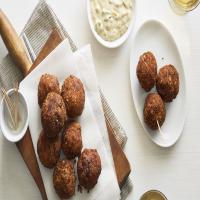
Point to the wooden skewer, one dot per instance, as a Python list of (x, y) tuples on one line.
[(159, 126), (9, 100), (17, 116), (12, 105), (161, 130), (9, 107), (12, 123), (15, 101)]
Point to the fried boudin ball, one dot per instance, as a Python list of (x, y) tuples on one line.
[(167, 83), (48, 150), (88, 168), (74, 96), (64, 179), (147, 71), (53, 115), (48, 83), (154, 109), (72, 140)]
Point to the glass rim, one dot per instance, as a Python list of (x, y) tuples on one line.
[(184, 9), (154, 191)]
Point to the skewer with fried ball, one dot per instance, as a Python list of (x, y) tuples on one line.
[(160, 131), (154, 111)]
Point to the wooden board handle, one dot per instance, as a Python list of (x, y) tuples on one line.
[(14, 44)]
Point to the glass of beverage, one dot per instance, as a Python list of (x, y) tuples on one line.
[(183, 6), (153, 195)]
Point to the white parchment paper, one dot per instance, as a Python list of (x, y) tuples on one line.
[(61, 62)]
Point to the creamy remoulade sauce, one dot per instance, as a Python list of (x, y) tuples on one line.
[(111, 18)]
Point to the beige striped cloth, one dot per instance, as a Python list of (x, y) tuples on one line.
[(37, 30)]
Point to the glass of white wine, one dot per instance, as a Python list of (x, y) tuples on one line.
[(153, 195), (183, 6)]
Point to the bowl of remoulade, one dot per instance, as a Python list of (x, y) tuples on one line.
[(111, 21)]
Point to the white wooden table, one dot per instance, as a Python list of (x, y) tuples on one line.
[(175, 171)]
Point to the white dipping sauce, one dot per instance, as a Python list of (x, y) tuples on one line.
[(111, 18)]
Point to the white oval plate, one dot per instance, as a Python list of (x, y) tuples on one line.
[(105, 43), (153, 36)]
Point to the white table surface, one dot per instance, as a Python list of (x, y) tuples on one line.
[(176, 170)]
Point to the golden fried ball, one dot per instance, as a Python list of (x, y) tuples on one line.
[(74, 96), (48, 83)]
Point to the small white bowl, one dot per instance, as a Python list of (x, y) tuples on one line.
[(115, 43), (10, 134)]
